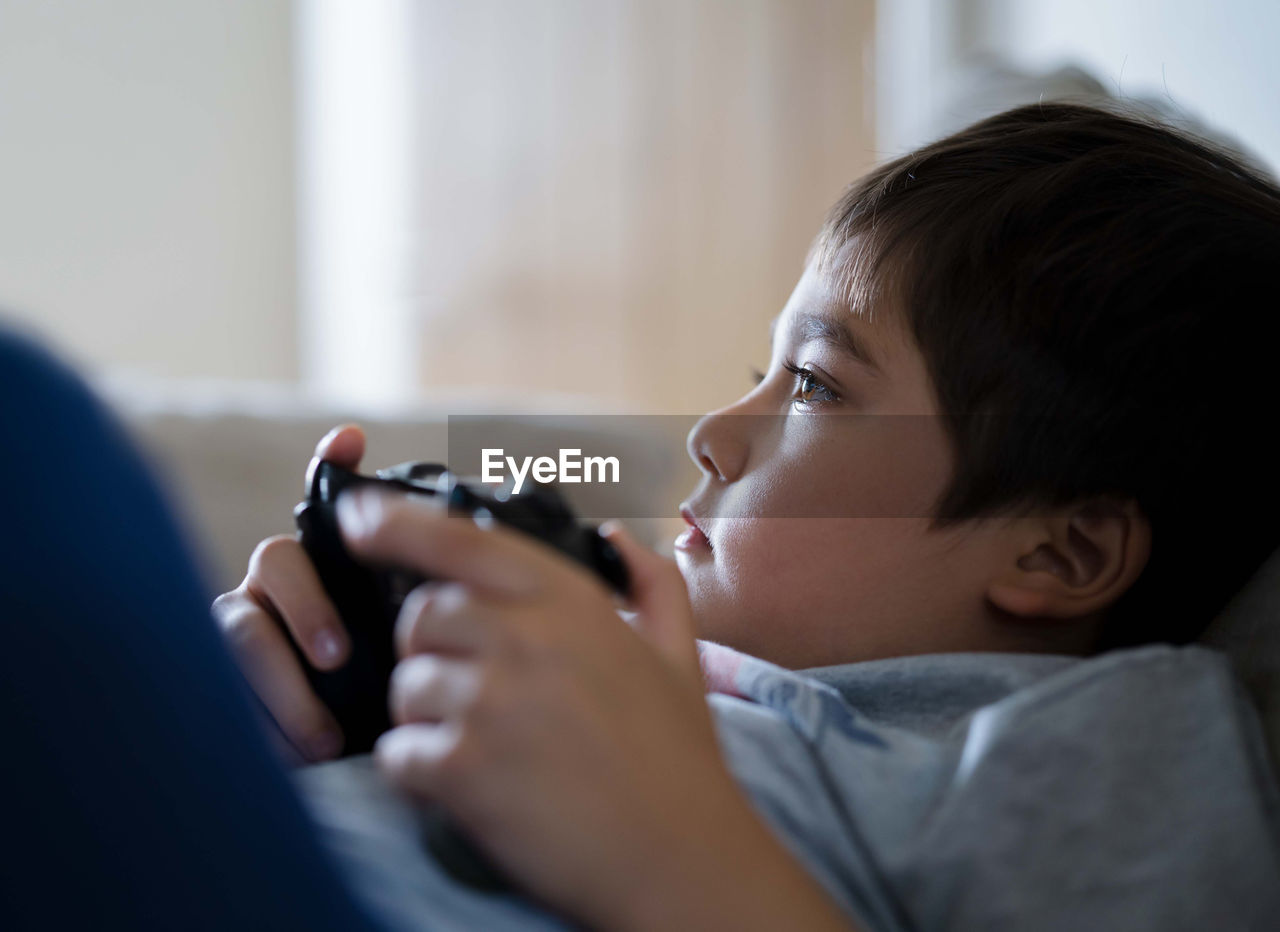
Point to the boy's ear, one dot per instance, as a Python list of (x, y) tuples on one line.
[(1073, 562)]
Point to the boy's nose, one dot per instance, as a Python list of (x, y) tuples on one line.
[(718, 444)]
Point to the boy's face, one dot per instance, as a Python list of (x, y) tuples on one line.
[(815, 545)]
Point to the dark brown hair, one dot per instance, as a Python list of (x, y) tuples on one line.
[(1095, 296)]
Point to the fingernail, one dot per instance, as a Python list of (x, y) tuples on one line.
[(391, 751), (325, 745), (327, 647), (325, 440), (610, 528)]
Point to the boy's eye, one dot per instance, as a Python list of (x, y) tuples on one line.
[(809, 388)]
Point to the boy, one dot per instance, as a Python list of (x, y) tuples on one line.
[(1053, 333)]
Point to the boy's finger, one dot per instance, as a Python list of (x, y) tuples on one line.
[(344, 445), (660, 599), (276, 677), (422, 536), (431, 688), (412, 756), (442, 618), (282, 576)]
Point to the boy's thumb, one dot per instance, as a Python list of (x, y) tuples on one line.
[(343, 445), (659, 598)]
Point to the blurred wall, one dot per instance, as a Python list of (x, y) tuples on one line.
[(615, 197), (1216, 61), (146, 182), (606, 198)]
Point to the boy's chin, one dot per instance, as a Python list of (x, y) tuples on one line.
[(715, 626), (704, 627)]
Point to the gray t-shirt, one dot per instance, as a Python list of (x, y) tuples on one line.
[(955, 791)]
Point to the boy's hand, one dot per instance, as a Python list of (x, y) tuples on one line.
[(282, 598), (576, 750)]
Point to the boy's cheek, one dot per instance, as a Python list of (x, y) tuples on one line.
[(782, 579), (760, 571)]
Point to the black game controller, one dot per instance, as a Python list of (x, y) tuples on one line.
[(368, 599)]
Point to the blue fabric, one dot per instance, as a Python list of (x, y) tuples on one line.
[(1128, 790), (139, 791)]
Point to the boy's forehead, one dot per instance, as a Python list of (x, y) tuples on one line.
[(818, 311)]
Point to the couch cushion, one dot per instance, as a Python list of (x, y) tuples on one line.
[(234, 457)]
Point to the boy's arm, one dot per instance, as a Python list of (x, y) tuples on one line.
[(576, 750)]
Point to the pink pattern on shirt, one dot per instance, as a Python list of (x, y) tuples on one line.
[(720, 667)]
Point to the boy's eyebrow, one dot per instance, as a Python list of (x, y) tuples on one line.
[(808, 327)]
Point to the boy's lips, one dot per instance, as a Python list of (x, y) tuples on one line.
[(693, 539)]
